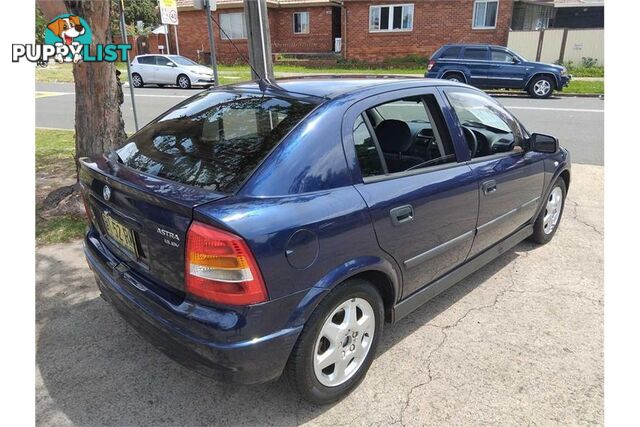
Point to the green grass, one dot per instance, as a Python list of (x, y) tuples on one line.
[(55, 151), (586, 71), (584, 86), (60, 229)]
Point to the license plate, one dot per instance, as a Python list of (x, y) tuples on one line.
[(121, 234)]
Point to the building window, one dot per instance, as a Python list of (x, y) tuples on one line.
[(301, 23), (232, 26), (485, 13), (391, 18)]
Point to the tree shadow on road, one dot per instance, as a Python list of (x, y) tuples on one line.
[(96, 370)]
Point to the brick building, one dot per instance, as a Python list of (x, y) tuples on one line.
[(370, 30)]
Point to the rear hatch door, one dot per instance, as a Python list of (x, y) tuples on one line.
[(142, 219)]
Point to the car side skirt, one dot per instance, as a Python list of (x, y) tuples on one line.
[(409, 304)]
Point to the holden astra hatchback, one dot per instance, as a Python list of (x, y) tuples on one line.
[(267, 228)]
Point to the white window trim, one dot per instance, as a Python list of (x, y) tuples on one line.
[(244, 30), (308, 22), (392, 30), (473, 18)]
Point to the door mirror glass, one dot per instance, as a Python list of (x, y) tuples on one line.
[(515, 60), (544, 143)]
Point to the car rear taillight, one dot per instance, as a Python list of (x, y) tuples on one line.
[(219, 267), (431, 64)]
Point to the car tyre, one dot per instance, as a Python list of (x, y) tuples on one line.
[(183, 81), (353, 343), (454, 77), (548, 220), (541, 87), (137, 81)]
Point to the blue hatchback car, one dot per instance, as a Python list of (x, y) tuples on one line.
[(496, 67), (267, 228)]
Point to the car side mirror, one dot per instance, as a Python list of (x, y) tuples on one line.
[(515, 60), (543, 143)]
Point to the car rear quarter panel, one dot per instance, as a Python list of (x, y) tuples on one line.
[(340, 238)]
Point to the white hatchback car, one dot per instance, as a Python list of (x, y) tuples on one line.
[(169, 70)]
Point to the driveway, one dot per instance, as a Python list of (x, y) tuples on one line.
[(518, 342)]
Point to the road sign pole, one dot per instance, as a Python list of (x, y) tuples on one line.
[(175, 33), (212, 44), (123, 31), (166, 38)]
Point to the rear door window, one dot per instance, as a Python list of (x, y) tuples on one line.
[(479, 53), (216, 142)]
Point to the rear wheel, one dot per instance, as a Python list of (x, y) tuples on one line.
[(548, 220), (136, 79), (541, 87), (454, 77), (338, 343), (184, 82)]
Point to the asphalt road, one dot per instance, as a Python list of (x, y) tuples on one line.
[(577, 122), (520, 342)]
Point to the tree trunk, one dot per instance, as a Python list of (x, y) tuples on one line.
[(99, 125)]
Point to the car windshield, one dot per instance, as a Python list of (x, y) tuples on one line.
[(181, 60), (214, 141)]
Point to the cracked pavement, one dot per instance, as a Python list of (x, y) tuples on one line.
[(518, 342)]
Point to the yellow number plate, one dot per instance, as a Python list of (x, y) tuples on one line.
[(118, 232)]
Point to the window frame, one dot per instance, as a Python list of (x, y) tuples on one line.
[(308, 22), (475, 8), (360, 108), (244, 27), (390, 29), (524, 135)]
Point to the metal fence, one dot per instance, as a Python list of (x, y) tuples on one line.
[(559, 44)]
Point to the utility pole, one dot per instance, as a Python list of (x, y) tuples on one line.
[(212, 44), (255, 12)]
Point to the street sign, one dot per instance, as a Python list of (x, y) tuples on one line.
[(168, 12)]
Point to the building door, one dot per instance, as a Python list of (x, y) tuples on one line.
[(336, 25)]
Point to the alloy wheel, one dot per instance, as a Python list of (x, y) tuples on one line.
[(542, 87), (183, 82), (552, 210), (344, 342)]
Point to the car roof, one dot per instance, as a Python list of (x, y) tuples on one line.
[(472, 45), (330, 87)]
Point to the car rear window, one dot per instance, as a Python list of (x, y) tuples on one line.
[(216, 141), (451, 52)]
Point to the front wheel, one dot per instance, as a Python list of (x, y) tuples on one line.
[(338, 343), (136, 79), (548, 220), (541, 87), (184, 82)]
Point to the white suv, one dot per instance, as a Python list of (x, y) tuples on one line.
[(169, 70)]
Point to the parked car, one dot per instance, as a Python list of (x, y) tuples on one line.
[(164, 70), (260, 229), (496, 67)]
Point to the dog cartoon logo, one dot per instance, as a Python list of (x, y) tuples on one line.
[(69, 30)]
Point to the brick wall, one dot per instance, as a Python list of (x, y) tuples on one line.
[(193, 38), (435, 22), (283, 39)]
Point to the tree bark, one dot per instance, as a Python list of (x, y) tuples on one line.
[(98, 119)]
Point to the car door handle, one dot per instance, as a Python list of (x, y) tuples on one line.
[(401, 214), (489, 187)]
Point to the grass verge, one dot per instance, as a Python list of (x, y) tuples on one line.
[(584, 86), (55, 167)]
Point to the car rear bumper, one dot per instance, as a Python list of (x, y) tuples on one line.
[(183, 330)]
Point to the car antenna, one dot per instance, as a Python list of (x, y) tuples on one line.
[(263, 82)]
